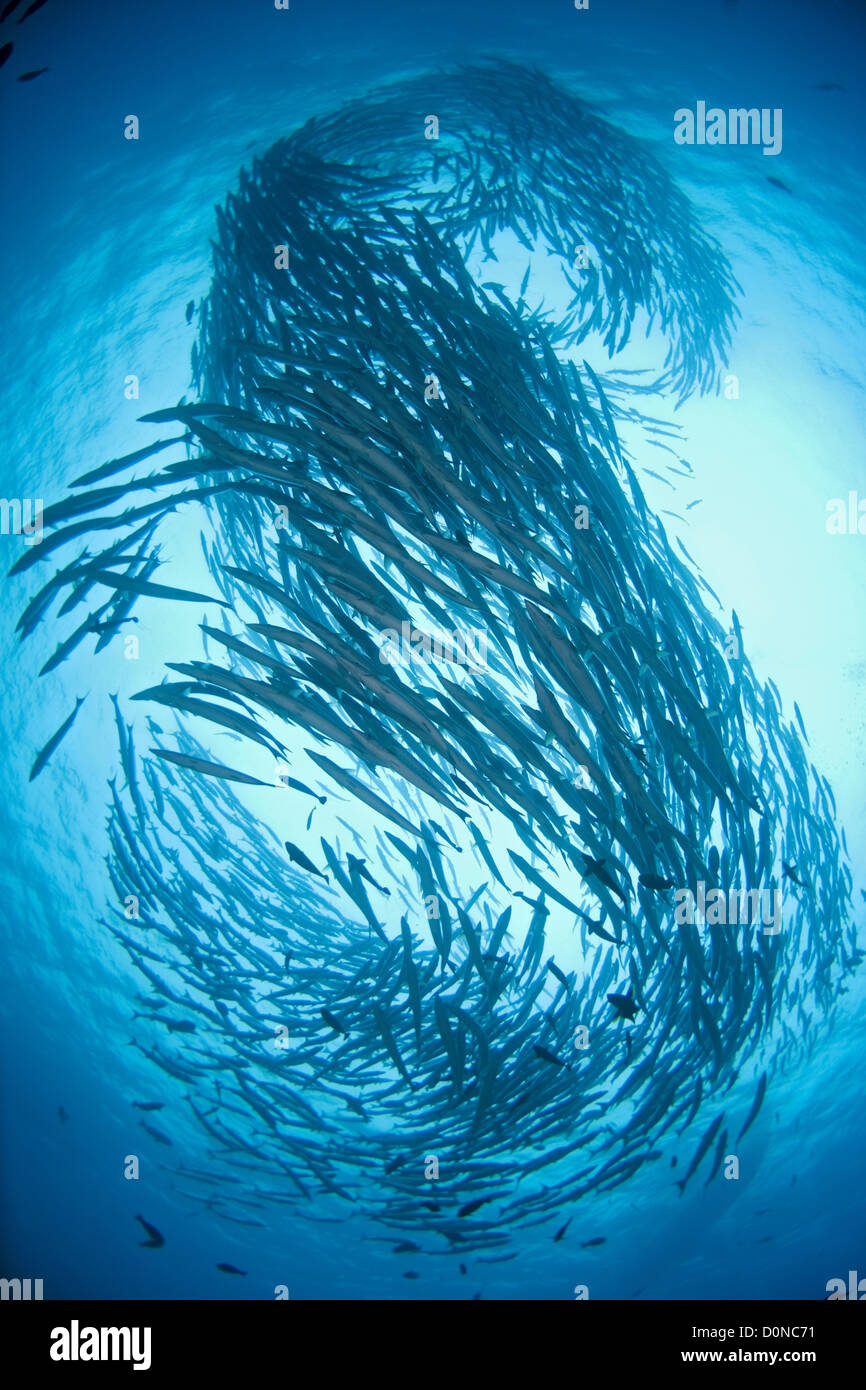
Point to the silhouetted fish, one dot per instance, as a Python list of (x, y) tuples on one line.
[(155, 1238)]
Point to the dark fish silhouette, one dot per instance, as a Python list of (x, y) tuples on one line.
[(624, 1005), (34, 72), (155, 1133), (190, 310), (297, 856), (148, 1104), (659, 885), (155, 1237), (705, 1143), (207, 768), (595, 868), (562, 1230), (333, 1022), (596, 1240), (231, 1269), (45, 753), (777, 183), (470, 1207), (62, 1115), (790, 871), (756, 1106), (5, 53), (37, 5), (357, 866), (110, 626), (549, 1057)]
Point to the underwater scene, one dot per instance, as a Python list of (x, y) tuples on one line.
[(434, 667)]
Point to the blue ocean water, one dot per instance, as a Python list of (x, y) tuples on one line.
[(104, 242)]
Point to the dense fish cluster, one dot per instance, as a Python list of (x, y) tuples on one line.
[(462, 1000)]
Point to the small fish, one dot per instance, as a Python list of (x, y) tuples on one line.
[(45, 753), (443, 835), (596, 929), (624, 1005), (231, 1269), (62, 1115), (470, 1207), (674, 1161), (208, 769), (828, 87), (356, 866), (148, 1104), (333, 1022), (546, 1056), (705, 1143), (297, 856), (756, 1105), (156, 1238), (557, 973), (463, 1269), (562, 1230), (777, 183), (155, 1133), (149, 590), (410, 1274), (190, 310), (29, 76), (595, 868), (596, 1240), (432, 1206), (6, 53), (717, 1156), (406, 1247), (658, 885), (790, 871), (300, 787), (102, 628)]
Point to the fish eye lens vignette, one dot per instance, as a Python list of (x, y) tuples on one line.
[(449, 878)]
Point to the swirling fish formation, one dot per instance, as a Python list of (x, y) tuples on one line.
[(387, 448)]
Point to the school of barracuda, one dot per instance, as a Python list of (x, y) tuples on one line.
[(616, 742)]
